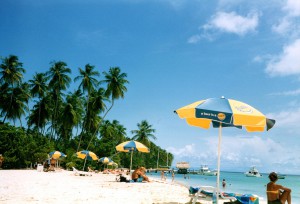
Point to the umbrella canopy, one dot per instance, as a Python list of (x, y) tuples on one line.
[(228, 112), (105, 160), (87, 155), (56, 155), (131, 146), (112, 163), (222, 112)]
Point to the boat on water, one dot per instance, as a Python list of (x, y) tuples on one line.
[(204, 170), (253, 172), (182, 167), (280, 176)]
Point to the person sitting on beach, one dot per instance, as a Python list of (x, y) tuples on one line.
[(139, 173), (90, 169), (277, 194), (1, 160)]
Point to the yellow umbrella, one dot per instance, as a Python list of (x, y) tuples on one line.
[(131, 146), (86, 155), (222, 112)]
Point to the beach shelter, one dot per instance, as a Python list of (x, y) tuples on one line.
[(132, 146), (56, 155), (87, 155), (222, 112)]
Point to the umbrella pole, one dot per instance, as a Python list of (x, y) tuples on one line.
[(130, 163), (84, 162), (219, 162)]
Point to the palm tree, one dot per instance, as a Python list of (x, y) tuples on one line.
[(38, 88), (18, 104), (77, 102), (59, 80), (11, 71), (40, 114), (143, 133), (97, 106), (116, 82), (11, 74), (88, 83), (112, 134)]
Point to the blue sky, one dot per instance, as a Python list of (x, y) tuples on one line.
[(176, 52)]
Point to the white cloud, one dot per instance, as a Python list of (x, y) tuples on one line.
[(287, 63), (184, 151), (223, 22), (287, 93), (288, 24), (282, 27), (194, 39), (287, 119), (236, 151), (293, 7), (233, 23)]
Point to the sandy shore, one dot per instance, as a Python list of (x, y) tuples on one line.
[(31, 186)]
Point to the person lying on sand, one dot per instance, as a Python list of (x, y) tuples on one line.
[(139, 173)]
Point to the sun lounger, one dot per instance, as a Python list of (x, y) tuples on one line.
[(206, 193), (80, 173)]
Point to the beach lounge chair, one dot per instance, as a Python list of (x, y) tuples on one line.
[(207, 192), (80, 173)]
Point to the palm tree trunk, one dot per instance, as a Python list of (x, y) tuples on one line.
[(112, 104)]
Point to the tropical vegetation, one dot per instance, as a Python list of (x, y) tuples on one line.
[(43, 115)]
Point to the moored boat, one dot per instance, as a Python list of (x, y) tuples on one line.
[(280, 176), (204, 170), (253, 172)]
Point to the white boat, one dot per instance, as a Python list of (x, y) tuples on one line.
[(204, 170), (253, 172)]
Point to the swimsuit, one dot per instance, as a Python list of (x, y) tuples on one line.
[(274, 202)]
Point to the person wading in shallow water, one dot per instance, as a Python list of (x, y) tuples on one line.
[(277, 194)]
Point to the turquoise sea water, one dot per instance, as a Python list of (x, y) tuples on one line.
[(237, 182)]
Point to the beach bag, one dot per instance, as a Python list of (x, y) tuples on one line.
[(123, 179)]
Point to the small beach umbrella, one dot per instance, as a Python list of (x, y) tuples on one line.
[(112, 163), (87, 155), (105, 160), (132, 146), (222, 112), (57, 155)]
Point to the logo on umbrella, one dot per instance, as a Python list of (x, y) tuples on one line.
[(221, 116), (244, 109)]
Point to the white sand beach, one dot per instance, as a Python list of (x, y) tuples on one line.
[(31, 186)]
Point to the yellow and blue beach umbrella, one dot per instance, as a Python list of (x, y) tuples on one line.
[(112, 163), (132, 146), (105, 160), (222, 112), (57, 155), (87, 155)]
